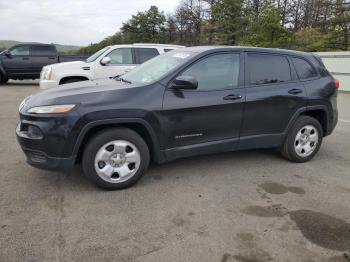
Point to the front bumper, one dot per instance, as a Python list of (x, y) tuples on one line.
[(46, 84), (41, 160), (48, 146)]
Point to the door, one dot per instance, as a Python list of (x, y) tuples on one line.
[(210, 116), (273, 95), (18, 62), (143, 54), (122, 60), (41, 56)]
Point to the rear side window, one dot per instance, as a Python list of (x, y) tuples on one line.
[(144, 54), (303, 68), (20, 50), (267, 69), (42, 50)]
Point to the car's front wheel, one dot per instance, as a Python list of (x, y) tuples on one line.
[(3, 79), (303, 140), (115, 158)]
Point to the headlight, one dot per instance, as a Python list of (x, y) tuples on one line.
[(46, 73), (51, 109), (22, 104)]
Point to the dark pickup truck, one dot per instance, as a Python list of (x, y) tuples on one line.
[(25, 61)]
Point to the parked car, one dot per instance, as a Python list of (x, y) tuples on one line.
[(187, 102), (110, 61), (25, 61)]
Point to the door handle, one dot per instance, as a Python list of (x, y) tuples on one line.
[(52, 58), (25, 58), (232, 97), (295, 91)]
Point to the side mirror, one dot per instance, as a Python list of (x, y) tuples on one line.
[(185, 82), (8, 53), (105, 61)]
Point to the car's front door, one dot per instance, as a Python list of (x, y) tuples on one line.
[(122, 60), (209, 118), (18, 61), (273, 95)]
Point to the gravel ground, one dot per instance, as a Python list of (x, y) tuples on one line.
[(250, 206)]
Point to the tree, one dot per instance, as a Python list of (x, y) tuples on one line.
[(147, 27), (265, 29), (230, 21)]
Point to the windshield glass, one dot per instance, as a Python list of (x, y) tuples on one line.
[(156, 68), (96, 55)]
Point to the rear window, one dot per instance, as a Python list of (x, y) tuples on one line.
[(144, 54), (303, 68), (42, 50), (267, 69)]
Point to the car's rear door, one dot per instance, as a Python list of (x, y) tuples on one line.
[(42, 55), (207, 119), (273, 95)]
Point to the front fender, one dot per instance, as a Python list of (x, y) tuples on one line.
[(158, 157)]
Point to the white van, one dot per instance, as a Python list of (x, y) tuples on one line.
[(110, 61)]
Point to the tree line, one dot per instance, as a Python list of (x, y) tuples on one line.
[(308, 25)]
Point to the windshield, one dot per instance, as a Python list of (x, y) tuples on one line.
[(96, 55), (156, 68)]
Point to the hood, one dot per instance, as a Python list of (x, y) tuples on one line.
[(73, 64), (77, 93)]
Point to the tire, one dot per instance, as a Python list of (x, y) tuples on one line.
[(72, 80), (3, 79), (294, 148), (113, 153)]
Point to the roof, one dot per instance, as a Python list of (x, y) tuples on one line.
[(32, 43), (161, 45), (200, 49)]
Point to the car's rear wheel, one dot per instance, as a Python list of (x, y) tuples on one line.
[(303, 140), (115, 158)]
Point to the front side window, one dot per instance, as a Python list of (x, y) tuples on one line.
[(121, 56), (215, 72), (268, 69), (303, 68), (144, 54), (20, 50)]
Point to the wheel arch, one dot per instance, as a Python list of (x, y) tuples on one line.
[(63, 79), (318, 112), (140, 126)]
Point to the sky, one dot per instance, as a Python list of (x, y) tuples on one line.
[(73, 22)]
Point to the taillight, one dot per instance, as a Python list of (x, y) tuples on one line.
[(336, 83)]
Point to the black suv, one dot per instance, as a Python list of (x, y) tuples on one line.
[(187, 102)]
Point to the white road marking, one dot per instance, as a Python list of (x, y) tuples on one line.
[(344, 120)]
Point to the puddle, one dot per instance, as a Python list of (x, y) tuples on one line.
[(266, 211), (279, 189), (323, 230)]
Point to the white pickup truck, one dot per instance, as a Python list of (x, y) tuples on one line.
[(110, 61)]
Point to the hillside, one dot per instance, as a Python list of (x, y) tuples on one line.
[(66, 49)]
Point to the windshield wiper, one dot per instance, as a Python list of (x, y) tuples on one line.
[(122, 79)]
